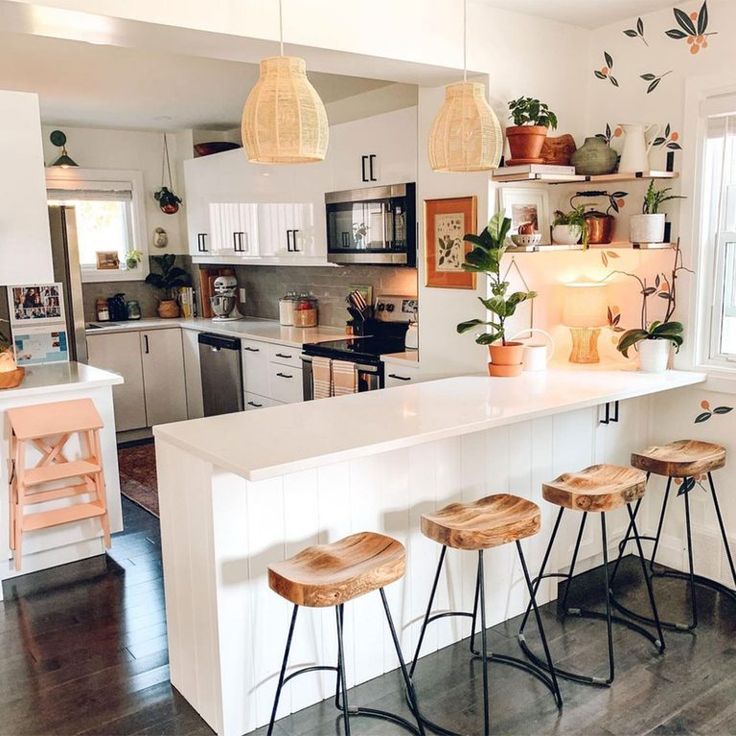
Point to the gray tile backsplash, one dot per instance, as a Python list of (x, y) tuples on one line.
[(266, 284)]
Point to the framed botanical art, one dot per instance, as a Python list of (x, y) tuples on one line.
[(446, 223), (526, 205)]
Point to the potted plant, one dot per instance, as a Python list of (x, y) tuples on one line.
[(648, 227), (599, 225), (132, 258), (654, 339), (170, 278), (10, 374), (526, 136), (485, 258), (569, 227)]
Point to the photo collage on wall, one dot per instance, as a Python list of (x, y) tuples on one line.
[(38, 324)]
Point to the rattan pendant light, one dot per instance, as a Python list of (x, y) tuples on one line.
[(284, 120), (466, 134)]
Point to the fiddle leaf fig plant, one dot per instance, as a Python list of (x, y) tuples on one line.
[(485, 258), (171, 276)]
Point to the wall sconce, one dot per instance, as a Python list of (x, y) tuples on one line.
[(58, 138), (585, 312)]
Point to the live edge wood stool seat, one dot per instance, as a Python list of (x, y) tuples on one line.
[(688, 463), (492, 521), (332, 575), (48, 428), (596, 489)]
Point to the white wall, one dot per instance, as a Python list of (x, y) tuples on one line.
[(98, 148)]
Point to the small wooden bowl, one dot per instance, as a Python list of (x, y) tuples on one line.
[(11, 379)]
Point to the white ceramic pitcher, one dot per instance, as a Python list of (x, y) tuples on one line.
[(635, 153), (537, 355)]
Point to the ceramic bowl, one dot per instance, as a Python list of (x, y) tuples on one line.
[(526, 240)]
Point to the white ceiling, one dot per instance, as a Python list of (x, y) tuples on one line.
[(584, 13), (91, 85)]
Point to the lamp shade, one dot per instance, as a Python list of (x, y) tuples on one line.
[(284, 119), (466, 134), (585, 305)]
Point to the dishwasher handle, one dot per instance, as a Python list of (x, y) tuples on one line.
[(218, 342)]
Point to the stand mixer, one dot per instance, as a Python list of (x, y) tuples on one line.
[(224, 301)]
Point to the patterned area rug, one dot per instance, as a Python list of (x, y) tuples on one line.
[(137, 464)]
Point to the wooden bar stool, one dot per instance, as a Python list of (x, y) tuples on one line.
[(489, 522), (599, 489), (48, 428), (331, 575), (688, 461)]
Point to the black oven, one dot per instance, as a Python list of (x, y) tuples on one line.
[(376, 225)]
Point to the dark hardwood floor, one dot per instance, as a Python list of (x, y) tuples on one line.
[(83, 651)]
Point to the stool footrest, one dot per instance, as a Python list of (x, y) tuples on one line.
[(60, 471), (77, 512)]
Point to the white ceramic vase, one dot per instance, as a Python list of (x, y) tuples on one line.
[(654, 355), (646, 228), (566, 234)]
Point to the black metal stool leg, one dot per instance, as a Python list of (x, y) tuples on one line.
[(475, 613), (341, 669), (538, 580), (428, 614), (722, 527), (690, 562), (411, 694), (484, 650), (660, 524), (609, 617), (571, 572), (627, 538), (282, 675), (540, 626)]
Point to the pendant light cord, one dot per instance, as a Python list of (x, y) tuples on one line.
[(281, 26), (465, 40), (166, 164)]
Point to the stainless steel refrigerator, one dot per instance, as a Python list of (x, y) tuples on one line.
[(67, 270)]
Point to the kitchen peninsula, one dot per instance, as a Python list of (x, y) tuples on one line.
[(241, 491)]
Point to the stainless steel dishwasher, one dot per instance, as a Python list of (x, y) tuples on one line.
[(222, 377)]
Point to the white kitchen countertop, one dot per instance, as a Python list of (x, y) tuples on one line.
[(408, 356), (52, 377), (266, 330), (284, 439)]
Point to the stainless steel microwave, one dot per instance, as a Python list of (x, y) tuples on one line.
[(376, 225)]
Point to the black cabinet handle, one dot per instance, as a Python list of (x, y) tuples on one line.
[(253, 403), (371, 161), (288, 241), (252, 350), (202, 242), (611, 416), (293, 235), (284, 375), (398, 377), (145, 340), (363, 161), (238, 242), (283, 355)]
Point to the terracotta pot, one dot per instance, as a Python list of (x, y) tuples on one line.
[(168, 309), (525, 142), (506, 360), (11, 379)]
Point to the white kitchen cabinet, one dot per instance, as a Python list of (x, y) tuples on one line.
[(253, 401), (400, 373), (121, 354), (234, 228), (378, 150), (255, 367), (163, 375), (287, 230), (192, 374), (25, 243), (285, 383)]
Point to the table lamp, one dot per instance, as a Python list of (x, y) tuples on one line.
[(585, 312)]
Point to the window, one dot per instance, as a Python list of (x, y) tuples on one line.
[(718, 232), (108, 224)]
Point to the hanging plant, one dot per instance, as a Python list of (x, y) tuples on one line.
[(167, 200)]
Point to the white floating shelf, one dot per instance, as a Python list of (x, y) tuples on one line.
[(618, 245), (499, 177)]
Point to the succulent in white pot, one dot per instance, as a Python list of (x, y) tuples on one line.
[(569, 227), (648, 227)]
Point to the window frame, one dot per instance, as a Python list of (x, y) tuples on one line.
[(81, 179)]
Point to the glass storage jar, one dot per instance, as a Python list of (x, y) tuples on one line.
[(305, 311)]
